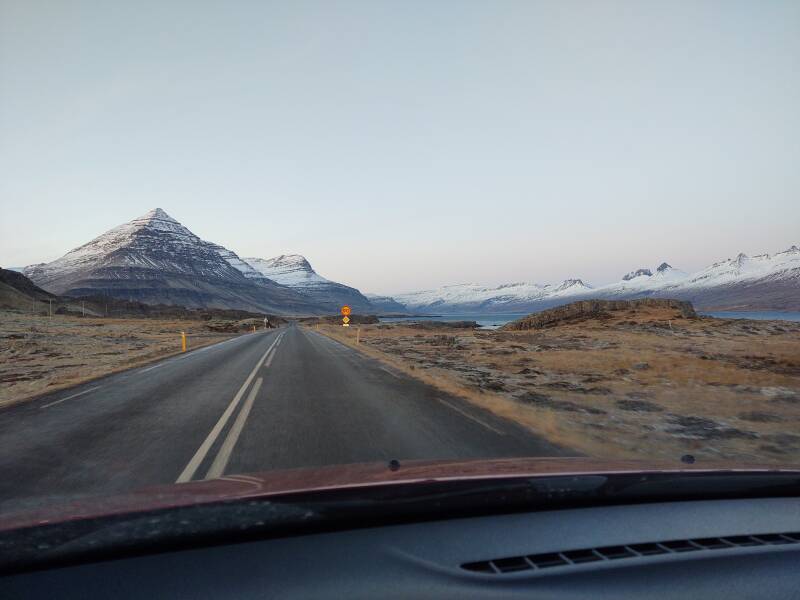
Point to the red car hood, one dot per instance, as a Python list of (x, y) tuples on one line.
[(277, 483)]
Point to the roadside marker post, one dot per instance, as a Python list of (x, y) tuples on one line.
[(358, 335), (183, 341)]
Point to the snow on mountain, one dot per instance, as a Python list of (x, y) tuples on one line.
[(637, 274), (154, 241), (744, 268), (730, 272), (465, 293), (641, 280), (764, 281), (569, 287), (155, 259), (473, 296), (385, 304), (295, 272), (288, 269), (237, 263)]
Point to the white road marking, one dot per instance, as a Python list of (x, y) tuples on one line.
[(151, 368), (392, 373), (224, 455), (469, 416), (71, 397), (271, 356), (190, 469)]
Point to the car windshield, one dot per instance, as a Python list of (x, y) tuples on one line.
[(239, 239)]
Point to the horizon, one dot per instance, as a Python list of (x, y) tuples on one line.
[(406, 147), (396, 293)]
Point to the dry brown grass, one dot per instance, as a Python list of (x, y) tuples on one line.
[(633, 385), (39, 355)]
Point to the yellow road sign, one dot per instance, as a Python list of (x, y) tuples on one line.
[(346, 310), (346, 320)]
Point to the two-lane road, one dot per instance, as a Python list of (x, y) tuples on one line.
[(272, 400)]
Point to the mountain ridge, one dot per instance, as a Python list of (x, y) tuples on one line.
[(764, 281), (296, 272), (156, 260)]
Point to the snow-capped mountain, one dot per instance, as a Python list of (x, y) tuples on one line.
[(154, 241), (640, 280), (288, 269), (230, 257), (766, 281), (746, 268), (155, 259), (637, 274), (295, 272), (385, 304), (472, 297)]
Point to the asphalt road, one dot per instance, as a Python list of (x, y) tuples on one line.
[(277, 399)]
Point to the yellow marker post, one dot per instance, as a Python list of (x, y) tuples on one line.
[(183, 341), (254, 328)]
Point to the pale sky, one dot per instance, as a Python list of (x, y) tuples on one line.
[(408, 144)]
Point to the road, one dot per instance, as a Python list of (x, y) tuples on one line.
[(275, 399)]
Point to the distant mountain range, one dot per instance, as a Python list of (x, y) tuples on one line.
[(156, 260), (766, 281), (294, 271)]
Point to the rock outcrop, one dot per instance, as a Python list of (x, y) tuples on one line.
[(585, 309)]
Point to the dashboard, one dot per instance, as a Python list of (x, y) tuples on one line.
[(697, 549)]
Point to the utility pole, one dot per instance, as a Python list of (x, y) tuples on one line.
[(51, 308), (83, 307)]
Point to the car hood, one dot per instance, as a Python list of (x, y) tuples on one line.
[(308, 480)]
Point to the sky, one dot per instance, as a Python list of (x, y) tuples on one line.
[(406, 145)]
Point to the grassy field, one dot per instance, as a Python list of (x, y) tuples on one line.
[(629, 385), (39, 354)]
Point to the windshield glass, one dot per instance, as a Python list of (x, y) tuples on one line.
[(242, 238)]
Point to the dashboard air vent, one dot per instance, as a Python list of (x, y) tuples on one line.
[(514, 564)]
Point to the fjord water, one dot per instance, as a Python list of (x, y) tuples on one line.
[(483, 320), (493, 321), (759, 315)]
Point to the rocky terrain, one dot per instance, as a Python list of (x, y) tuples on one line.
[(596, 310), (642, 380)]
